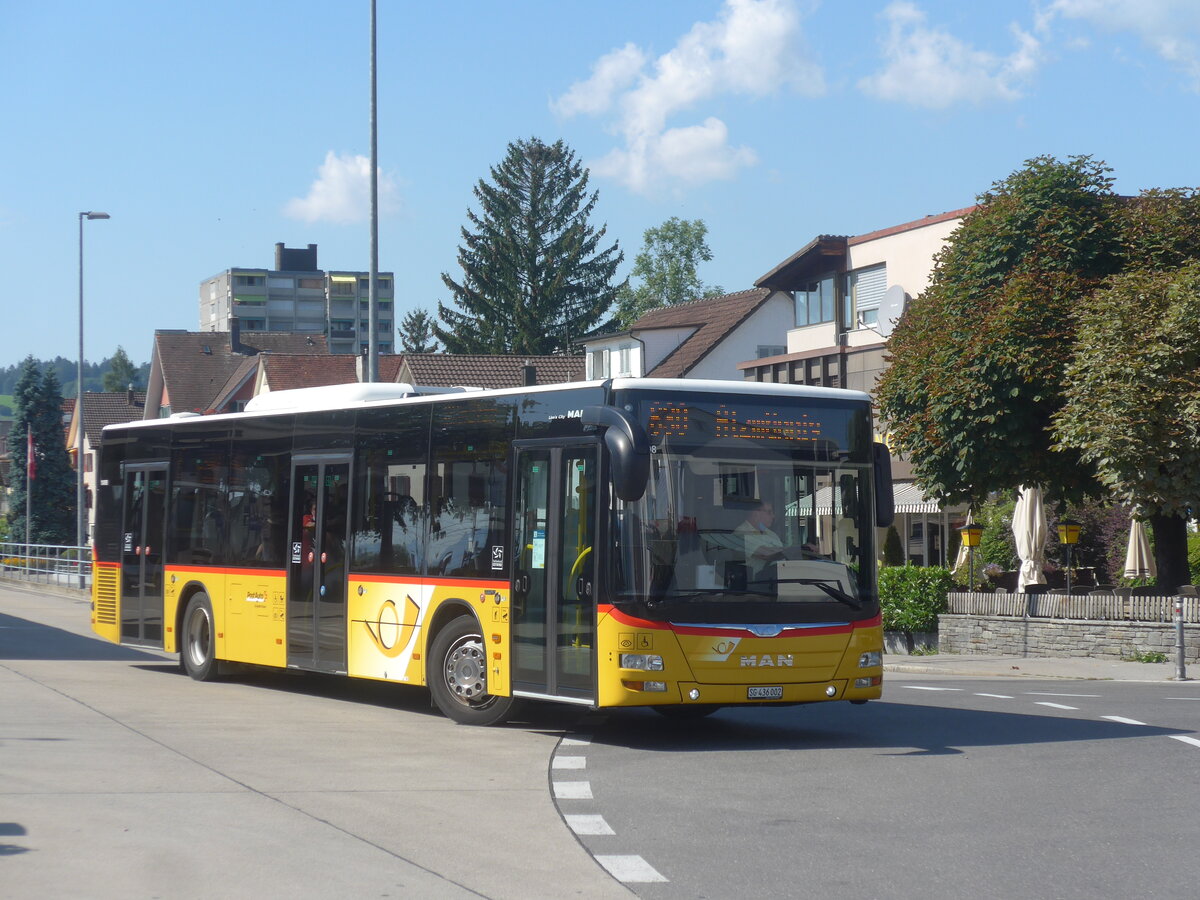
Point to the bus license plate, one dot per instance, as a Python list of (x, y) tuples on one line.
[(764, 693)]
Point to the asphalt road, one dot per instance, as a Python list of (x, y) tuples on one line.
[(949, 787), (119, 777)]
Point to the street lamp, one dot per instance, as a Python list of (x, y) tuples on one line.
[(80, 493), (1068, 535), (970, 539)]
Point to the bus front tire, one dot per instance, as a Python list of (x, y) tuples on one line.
[(198, 650), (457, 676)]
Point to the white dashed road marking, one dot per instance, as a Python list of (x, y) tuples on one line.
[(583, 740), (572, 790), (996, 696), (589, 825), (1187, 740), (923, 687), (630, 869), (570, 762), (1055, 694), (1055, 705), (1123, 720)]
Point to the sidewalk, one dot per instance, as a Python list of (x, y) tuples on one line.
[(1035, 667)]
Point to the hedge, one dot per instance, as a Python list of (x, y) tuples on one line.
[(912, 596)]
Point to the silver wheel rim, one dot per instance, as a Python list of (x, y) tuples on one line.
[(199, 635), (465, 672)]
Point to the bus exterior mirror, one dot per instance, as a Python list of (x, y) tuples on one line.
[(628, 447), (885, 500)]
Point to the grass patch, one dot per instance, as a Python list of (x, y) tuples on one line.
[(1147, 656)]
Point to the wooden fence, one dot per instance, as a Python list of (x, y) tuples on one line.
[(1094, 606)]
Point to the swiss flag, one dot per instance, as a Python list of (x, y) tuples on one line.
[(30, 456)]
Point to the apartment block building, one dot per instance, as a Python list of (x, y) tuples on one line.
[(298, 297)]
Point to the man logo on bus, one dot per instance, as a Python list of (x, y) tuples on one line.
[(781, 659)]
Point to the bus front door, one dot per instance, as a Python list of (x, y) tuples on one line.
[(554, 619), (142, 531), (316, 608)]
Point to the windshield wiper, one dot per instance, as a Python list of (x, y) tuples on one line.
[(836, 593)]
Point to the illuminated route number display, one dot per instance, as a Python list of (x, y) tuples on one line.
[(726, 421)]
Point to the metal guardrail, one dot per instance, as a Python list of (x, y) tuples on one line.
[(1120, 607), (61, 564)]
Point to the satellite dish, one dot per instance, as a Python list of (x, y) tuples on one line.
[(891, 308)]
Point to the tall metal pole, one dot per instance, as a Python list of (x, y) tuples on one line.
[(372, 368), (80, 462)]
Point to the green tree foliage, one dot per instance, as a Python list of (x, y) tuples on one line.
[(533, 280), (978, 361), (416, 332), (912, 597), (893, 549), (38, 398), (122, 374), (666, 269), (1132, 407)]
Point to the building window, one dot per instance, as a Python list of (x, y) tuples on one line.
[(765, 350), (863, 290), (249, 280), (816, 302), (342, 289), (598, 364), (623, 367)]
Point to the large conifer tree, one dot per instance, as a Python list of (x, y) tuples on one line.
[(532, 279), (38, 401)]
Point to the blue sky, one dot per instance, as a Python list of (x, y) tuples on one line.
[(210, 131)]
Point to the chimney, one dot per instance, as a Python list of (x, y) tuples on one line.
[(528, 374), (279, 257), (235, 337)]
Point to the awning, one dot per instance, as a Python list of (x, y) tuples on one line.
[(909, 499)]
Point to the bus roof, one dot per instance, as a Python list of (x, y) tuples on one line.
[(357, 395)]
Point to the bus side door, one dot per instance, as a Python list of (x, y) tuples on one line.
[(554, 618), (142, 532)]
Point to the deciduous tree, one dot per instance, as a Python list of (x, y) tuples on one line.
[(978, 361), (667, 270)]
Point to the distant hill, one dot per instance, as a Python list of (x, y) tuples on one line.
[(93, 378)]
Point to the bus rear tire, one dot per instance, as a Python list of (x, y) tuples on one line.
[(198, 648), (457, 676)]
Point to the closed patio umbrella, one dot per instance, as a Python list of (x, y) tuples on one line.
[(1029, 529), (1139, 561)]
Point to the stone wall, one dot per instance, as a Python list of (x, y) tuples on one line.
[(1009, 636)]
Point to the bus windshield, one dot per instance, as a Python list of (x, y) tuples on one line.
[(751, 515)]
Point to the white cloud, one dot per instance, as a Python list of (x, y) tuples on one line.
[(341, 193), (753, 48), (1171, 28), (614, 72), (928, 66)]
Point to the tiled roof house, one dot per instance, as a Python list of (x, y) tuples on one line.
[(465, 369), (191, 370), (701, 339), (99, 409)]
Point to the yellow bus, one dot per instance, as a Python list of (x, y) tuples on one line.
[(680, 545)]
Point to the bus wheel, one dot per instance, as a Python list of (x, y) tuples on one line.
[(458, 676), (198, 652)]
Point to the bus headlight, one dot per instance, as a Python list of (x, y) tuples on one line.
[(644, 661), (870, 659)]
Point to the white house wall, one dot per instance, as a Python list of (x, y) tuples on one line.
[(908, 254), (763, 327)]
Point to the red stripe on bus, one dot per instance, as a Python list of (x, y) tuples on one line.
[(814, 629)]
